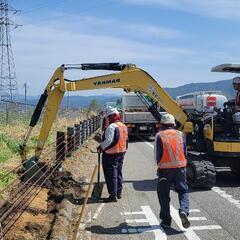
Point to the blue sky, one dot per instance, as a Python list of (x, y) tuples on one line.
[(176, 41)]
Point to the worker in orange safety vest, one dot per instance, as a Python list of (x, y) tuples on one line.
[(170, 154), (114, 146)]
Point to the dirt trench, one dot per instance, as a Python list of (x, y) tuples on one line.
[(54, 212)]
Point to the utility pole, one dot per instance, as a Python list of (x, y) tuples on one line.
[(67, 101), (8, 82), (25, 92)]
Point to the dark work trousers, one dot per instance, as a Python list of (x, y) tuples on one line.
[(168, 177), (112, 169)]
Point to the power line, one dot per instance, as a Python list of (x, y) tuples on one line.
[(81, 13), (41, 6)]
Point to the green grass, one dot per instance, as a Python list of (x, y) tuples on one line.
[(8, 146), (5, 178)]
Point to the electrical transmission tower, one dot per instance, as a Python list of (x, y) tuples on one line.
[(8, 82)]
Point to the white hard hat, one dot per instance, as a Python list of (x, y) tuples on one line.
[(107, 109), (111, 111), (168, 119)]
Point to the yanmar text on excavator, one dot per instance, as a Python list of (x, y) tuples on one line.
[(213, 140)]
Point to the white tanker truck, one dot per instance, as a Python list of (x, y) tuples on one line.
[(204, 101)]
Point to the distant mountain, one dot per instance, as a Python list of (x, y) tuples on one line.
[(225, 86), (76, 101), (84, 101)]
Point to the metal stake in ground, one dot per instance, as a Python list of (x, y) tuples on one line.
[(97, 190), (1, 233), (85, 203)]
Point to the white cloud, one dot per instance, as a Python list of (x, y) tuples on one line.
[(226, 9), (131, 29), (39, 49)]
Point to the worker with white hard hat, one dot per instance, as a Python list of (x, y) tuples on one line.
[(105, 122), (114, 146), (171, 157)]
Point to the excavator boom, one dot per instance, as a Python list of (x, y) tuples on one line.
[(129, 77)]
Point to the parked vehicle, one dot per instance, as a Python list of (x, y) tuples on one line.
[(204, 102), (137, 118)]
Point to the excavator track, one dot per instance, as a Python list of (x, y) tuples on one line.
[(200, 173)]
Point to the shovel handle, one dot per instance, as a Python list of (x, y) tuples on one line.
[(99, 162)]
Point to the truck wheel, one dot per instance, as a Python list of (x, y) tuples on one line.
[(201, 174)]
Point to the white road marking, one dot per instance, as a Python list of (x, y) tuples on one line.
[(89, 219), (136, 220), (132, 213), (89, 235), (99, 209), (194, 210), (226, 196), (208, 227), (82, 225), (197, 219), (149, 144), (151, 219), (154, 223), (189, 233)]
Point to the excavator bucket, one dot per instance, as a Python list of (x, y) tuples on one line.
[(35, 173)]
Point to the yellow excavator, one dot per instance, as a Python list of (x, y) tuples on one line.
[(204, 134)]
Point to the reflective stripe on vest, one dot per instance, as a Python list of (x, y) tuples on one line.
[(121, 145), (173, 152)]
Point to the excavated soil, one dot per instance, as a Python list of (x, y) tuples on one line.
[(54, 212)]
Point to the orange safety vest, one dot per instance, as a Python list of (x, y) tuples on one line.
[(173, 151), (121, 145)]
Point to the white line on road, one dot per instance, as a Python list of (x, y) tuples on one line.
[(149, 144), (151, 219), (208, 227), (99, 209), (197, 219), (194, 210), (132, 213), (154, 223), (226, 196), (136, 220), (189, 233)]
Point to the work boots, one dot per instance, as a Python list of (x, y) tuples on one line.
[(111, 199), (184, 219)]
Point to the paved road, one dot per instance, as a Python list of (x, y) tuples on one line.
[(214, 214)]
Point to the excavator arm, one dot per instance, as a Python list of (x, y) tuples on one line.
[(129, 77)]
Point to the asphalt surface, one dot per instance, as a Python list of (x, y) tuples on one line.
[(214, 214)]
